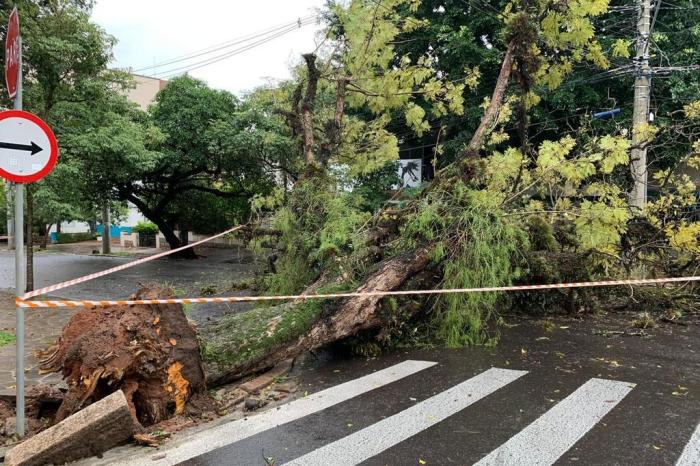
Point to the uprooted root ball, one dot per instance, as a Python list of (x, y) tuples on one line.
[(149, 351)]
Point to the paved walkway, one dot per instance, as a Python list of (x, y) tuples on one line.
[(213, 274)]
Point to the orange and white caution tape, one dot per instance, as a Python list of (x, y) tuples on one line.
[(359, 294), (92, 276)]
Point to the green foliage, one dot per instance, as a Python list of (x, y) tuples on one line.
[(66, 238), (541, 234), (374, 189), (147, 228), (319, 226), (476, 246)]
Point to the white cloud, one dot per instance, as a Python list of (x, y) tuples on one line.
[(151, 31)]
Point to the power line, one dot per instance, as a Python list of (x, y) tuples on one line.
[(225, 45), (212, 60)]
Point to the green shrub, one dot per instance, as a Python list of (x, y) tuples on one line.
[(146, 228), (66, 238)]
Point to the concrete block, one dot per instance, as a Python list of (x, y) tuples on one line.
[(89, 432)]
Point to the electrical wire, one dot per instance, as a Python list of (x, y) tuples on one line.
[(218, 58), (225, 45)]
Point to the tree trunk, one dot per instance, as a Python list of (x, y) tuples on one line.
[(359, 313), (29, 223), (58, 227), (106, 230), (491, 115), (45, 238), (184, 236), (307, 111), (353, 315), (168, 232)]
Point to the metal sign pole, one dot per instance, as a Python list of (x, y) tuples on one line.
[(20, 275)]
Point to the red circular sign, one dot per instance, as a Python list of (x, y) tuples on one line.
[(28, 147), (13, 54)]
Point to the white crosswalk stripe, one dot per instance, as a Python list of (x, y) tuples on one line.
[(691, 453), (543, 442), (232, 432), (551, 435), (378, 437)]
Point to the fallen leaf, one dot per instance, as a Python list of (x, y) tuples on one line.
[(173, 341), (523, 351), (421, 462), (563, 327), (542, 339), (655, 447), (156, 320)]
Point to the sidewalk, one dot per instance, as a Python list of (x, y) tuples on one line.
[(89, 248), (42, 330), (213, 274)]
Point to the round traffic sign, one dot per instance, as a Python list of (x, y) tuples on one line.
[(28, 147)]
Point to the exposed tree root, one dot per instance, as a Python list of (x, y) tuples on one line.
[(149, 352)]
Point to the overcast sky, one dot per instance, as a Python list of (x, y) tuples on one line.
[(157, 31)]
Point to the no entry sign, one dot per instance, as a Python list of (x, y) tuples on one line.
[(28, 147), (13, 54)]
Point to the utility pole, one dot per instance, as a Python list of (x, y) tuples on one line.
[(20, 276), (10, 216), (642, 94)]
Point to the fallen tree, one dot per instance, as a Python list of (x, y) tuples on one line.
[(491, 217), (470, 227)]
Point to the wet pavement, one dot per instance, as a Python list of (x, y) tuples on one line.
[(219, 268), (632, 399), (213, 274)]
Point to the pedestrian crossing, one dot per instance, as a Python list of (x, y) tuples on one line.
[(543, 442), (691, 453), (373, 440), (555, 432)]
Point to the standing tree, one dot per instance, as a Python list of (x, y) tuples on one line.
[(65, 63), (174, 162)]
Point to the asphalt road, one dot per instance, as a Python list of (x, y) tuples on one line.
[(216, 266), (567, 396)]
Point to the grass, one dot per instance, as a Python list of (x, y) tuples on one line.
[(6, 338)]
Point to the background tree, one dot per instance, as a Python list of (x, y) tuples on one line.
[(65, 62)]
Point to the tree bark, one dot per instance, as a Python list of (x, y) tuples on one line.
[(106, 229), (150, 352), (184, 236), (168, 232), (45, 238), (334, 127), (494, 108), (307, 110), (353, 315)]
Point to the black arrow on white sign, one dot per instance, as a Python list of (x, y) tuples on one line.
[(34, 148)]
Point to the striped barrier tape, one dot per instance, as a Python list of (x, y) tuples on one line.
[(92, 276), (238, 299)]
